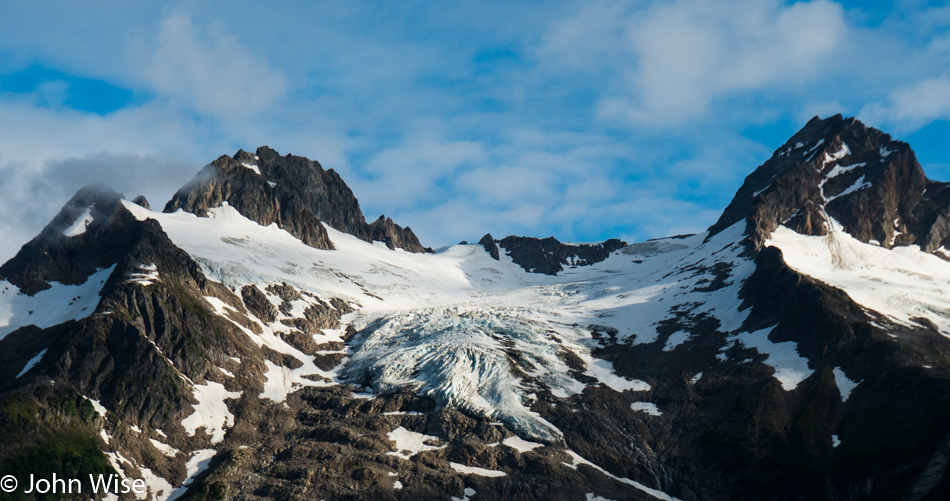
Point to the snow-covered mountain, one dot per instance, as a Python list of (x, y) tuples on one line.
[(259, 339)]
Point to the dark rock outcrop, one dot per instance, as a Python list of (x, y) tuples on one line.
[(491, 247), (257, 303), (549, 256), (294, 192), (839, 168), (395, 236), (142, 201)]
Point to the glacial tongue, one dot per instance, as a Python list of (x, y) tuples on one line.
[(491, 361)]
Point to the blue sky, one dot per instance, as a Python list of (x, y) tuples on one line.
[(582, 120)]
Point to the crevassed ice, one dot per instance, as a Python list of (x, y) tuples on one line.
[(467, 356)]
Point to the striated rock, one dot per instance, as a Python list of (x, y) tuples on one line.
[(257, 303)]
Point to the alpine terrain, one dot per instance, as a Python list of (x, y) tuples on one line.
[(258, 338)]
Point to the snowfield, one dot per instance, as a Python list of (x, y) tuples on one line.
[(902, 283)]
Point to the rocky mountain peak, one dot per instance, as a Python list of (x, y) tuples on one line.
[(839, 172), (294, 192), (74, 244)]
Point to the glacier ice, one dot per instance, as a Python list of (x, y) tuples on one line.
[(482, 359)]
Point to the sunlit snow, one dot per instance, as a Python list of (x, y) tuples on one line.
[(211, 412), (474, 470), (903, 282), (453, 324), (411, 442)]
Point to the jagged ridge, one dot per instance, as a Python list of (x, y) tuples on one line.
[(292, 191)]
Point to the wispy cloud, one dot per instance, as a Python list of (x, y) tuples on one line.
[(681, 56), (209, 70), (912, 107)]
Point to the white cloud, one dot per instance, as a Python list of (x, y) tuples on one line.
[(912, 107), (416, 172), (675, 58), (210, 70)]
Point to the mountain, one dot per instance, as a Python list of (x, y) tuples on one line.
[(258, 339), (294, 192)]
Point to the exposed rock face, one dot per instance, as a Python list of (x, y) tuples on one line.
[(839, 168), (490, 246), (549, 256), (294, 192), (395, 236), (141, 200)]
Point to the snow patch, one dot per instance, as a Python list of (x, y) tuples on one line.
[(147, 276), (474, 470), (253, 167), (844, 383), (199, 462), (859, 184), (603, 371), (80, 224), (411, 442), (577, 460), (519, 444), (211, 412), (97, 406), (790, 367), (164, 448), (834, 157), (842, 169), (31, 362), (467, 493), (647, 407)]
